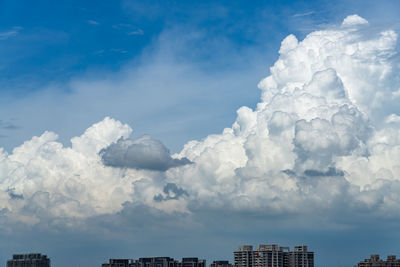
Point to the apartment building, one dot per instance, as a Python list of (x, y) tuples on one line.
[(29, 260), (273, 256)]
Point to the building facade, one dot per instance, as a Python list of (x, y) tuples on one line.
[(29, 260), (273, 256), (244, 256), (375, 261), (301, 257)]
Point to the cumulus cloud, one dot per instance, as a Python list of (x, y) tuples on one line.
[(142, 153), (41, 178), (353, 20), (320, 139), (316, 136)]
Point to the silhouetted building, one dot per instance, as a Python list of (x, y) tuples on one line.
[(155, 262), (29, 260), (273, 256), (192, 262), (375, 261), (118, 263), (391, 261), (221, 264)]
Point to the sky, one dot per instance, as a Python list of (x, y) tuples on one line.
[(188, 128)]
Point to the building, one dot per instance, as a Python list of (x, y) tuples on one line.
[(273, 256), (155, 262), (244, 256), (221, 264), (192, 262), (118, 263), (301, 257), (391, 261), (29, 260), (375, 261)]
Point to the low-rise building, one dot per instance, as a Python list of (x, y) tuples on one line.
[(155, 262), (192, 262), (117, 263), (29, 260), (375, 261), (221, 264)]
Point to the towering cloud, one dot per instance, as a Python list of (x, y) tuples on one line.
[(322, 134), (325, 135)]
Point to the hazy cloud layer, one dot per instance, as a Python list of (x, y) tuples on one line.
[(321, 140), (143, 153), (14, 31)]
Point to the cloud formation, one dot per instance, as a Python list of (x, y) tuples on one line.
[(142, 153), (317, 137), (322, 137)]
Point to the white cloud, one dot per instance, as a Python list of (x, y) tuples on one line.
[(392, 118), (14, 31), (315, 140), (92, 22), (56, 181), (354, 20), (313, 121), (136, 32), (305, 14)]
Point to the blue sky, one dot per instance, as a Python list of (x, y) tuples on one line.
[(46, 45), (179, 71)]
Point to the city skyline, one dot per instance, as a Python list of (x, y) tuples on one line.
[(175, 128), (264, 255)]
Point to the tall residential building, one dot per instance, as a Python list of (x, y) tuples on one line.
[(221, 264), (273, 256), (375, 261), (29, 260), (301, 257), (244, 256)]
